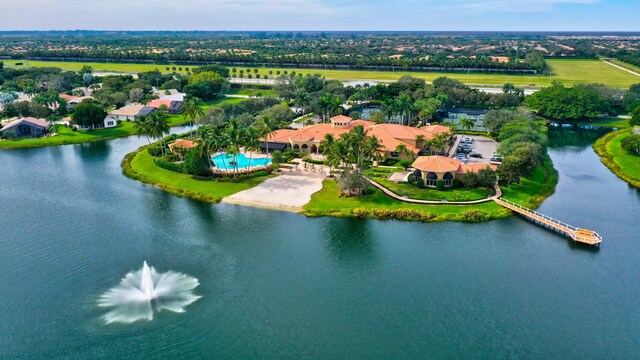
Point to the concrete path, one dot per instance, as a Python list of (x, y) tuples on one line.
[(435, 202), (621, 68), (288, 192)]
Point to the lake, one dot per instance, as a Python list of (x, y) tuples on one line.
[(280, 285)]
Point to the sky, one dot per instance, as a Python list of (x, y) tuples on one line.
[(411, 15)]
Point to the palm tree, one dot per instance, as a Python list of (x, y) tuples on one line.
[(404, 107), (325, 103), (251, 141), (157, 125), (389, 109), (234, 133), (141, 126), (192, 109), (467, 124), (264, 130)]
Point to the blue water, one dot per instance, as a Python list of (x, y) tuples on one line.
[(224, 161)]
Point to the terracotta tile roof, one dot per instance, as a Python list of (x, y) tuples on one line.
[(441, 164), (476, 167), (157, 103), (438, 164), (341, 118), (390, 135), (187, 144)]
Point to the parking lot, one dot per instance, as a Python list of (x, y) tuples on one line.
[(481, 145)]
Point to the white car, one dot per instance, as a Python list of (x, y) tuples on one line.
[(466, 140)]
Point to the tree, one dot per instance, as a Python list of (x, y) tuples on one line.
[(205, 85), (196, 163), (467, 124), (631, 144), (265, 131), (277, 157), (562, 103), (88, 114), (487, 177), (192, 109), (635, 117), (470, 179), (251, 141), (136, 94), (233, 131)]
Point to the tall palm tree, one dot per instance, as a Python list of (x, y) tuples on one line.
[(157, 125), (404, 107), (466, 124), (389, 109), (251, 141), (264, 129), (192, 109), (233, 131), (141, 127)]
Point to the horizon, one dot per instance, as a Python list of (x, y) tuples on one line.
[(325, 15)]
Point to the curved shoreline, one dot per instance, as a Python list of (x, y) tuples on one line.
[(601, 147), (327, 201)]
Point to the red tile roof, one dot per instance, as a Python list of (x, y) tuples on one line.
[(187, 144), (442, 164)]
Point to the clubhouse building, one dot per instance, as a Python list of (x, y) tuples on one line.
[(391, 136)]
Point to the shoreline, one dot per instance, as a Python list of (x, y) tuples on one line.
[(601, 147), (375, 206)]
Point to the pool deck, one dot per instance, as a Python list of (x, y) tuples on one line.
[(289, 192)]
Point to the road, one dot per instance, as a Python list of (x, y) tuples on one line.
[(621, 68)]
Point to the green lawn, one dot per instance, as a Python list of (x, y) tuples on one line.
[(626, 66), (380, 175), (328, 202), (253, 92), (67, 136), (630, 164), (568, 71), (612, 123), (533, 190), (140, 166)]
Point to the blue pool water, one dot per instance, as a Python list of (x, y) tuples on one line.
[(224, 161)]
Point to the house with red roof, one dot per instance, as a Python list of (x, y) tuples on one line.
[(434, 168), (172, 106), (392, 136)]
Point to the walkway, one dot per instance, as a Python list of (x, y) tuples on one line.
[(289, 191), (578, 235), (435, 202), (621, 68)]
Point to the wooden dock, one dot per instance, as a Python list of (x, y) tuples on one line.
[(578, 235)]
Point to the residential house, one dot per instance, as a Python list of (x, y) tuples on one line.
[(173, 106), (131, 112), (434, 168), (26, 127)]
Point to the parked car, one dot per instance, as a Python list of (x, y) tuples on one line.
[(466, 140), (476, 155), (495, 160)]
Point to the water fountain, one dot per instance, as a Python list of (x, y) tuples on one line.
[(142, 292)]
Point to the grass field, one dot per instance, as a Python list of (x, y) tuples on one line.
[(626, 66), (140, 166), (380, 175), (568, 71), (618, 160)]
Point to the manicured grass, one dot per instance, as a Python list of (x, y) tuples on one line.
[(380, 175), (625, 165), (568, 71), (254, 92), (626, 66), (328, 202), (66, 136), (533, 190), (612, 123), (140, 166)]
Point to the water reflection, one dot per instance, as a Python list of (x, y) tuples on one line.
[(351, 241), (575, 136)]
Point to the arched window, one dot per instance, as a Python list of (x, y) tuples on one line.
[(296, 147), (448, 179), (305, 148), (314, 149), (432, 179)]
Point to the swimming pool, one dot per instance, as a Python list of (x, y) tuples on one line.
[(225, 161)]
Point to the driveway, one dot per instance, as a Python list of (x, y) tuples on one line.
[(484, 146)]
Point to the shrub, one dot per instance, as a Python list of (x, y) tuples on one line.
[(390, 162), (457, 184), (167, 165), (260, 173), (420, 183), (440, 185), (405, 163), (411, 178), (196, 164), (631, 144), (155, 150)]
